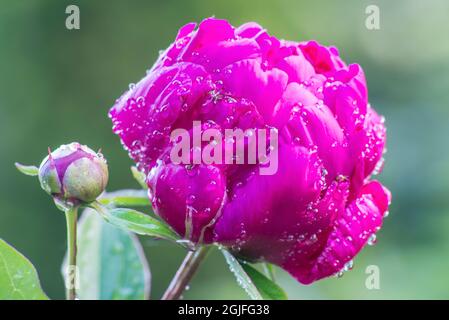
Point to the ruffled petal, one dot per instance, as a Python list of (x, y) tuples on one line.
[(249, 30), (247, 79), (188, 198), (297, 67), (146, 114), (324, 60), (361, 219), (264, 211), (374, 147)]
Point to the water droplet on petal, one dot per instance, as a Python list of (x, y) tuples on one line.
[(372, 240), (348, 265)]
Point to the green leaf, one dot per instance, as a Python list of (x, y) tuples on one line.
[(268, 288), (139, 176), (111, 264), (269, 271), (18, 277), (256, 285), (242, 278), (135, 221), (28, 170), (129, 197)]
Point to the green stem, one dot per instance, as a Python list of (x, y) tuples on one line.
[(185, 273), (71, 272)]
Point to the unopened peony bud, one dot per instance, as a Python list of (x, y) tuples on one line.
[(74, 172)]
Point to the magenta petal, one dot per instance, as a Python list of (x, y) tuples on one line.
[(185, 30), (188, 198), (329, 140), (249, 30), (374, 147), (361, 219), (218, 55), (293, 97), (263, 210), (146, 114), (324, 60), (210, 31), (297, 68), (264, 88)]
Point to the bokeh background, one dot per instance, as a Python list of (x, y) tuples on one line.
[(56, 86)]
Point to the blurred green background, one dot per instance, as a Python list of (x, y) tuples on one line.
[(56, 86)]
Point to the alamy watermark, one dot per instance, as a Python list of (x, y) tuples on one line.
[(372, 282), (73, 19), (372, 21), (72, 277), (211, 146)]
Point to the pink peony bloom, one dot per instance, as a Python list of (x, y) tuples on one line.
[(320, 208)]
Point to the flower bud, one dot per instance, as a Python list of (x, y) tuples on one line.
[(74, 172)]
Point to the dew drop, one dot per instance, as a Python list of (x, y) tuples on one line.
[(348, 265), (372, 240)]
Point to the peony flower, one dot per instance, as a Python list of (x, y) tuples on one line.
[(317, 211), (74, 173)]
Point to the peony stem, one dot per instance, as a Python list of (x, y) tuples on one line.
[(185, 273), (71, 272)]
